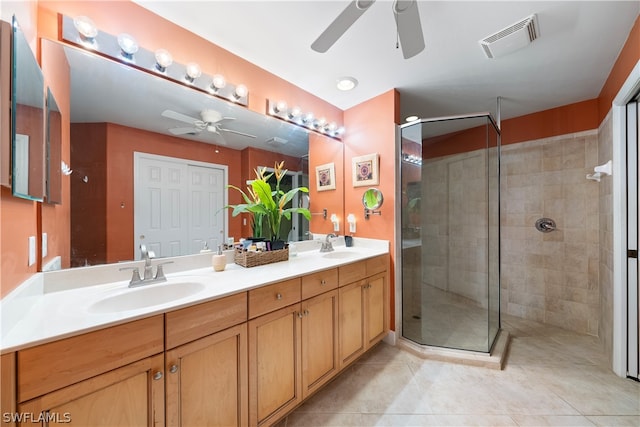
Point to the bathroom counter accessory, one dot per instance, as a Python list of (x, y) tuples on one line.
[(253, 259)]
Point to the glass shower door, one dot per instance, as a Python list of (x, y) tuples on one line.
[(450, 232)]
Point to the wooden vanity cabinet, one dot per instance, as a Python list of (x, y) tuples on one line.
[(363, 306), (114, 376), (206, 364)]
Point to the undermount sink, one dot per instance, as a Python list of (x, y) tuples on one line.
[(341, 254), (146, 296)]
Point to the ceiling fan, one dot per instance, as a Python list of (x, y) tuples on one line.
[(408, 26), (210, 121)]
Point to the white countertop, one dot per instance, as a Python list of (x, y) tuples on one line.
[(55, 305)]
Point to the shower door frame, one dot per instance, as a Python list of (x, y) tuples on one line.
[(398, 224)]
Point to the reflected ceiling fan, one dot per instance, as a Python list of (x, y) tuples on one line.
[(210, 121), (408, 26)]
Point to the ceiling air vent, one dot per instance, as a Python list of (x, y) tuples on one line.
[(512, 38)]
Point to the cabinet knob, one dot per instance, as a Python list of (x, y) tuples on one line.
[(278, 296), (306, 312), (157, 376), (323, 282), (173, 369), (300, 315)]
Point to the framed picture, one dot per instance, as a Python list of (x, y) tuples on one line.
[(326, 177), (365, 170)]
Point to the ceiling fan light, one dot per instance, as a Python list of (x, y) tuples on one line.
[(163, 60), (346, 83), (218, 82), (128, 45), (85, 26), (193, 72)]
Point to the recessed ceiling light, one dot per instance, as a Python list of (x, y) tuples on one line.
[(411, 118), (346, 83)]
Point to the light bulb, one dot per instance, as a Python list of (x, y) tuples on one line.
[(163, 60), (193, 72), (308, 119), (86, 27), (240, 92), (218, 82), (128, 45), (280, 107), (294, 112)]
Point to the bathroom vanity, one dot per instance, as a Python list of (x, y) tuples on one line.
[(245, 350)]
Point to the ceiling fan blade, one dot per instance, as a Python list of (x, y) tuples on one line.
[(337, 28), (184, 131), (179, 116), (248, 135), (409, 27)]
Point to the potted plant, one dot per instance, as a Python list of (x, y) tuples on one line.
[(264, 202)]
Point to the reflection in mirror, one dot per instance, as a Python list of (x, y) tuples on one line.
[(54, 150), (28, 147), (371, 200), (116, 116)]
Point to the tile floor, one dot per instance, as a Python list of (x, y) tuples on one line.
[(552, 377)]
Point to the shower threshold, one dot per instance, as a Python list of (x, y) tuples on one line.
[(493, 360)]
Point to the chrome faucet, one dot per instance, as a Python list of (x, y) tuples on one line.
[(326, 245), (148, 276)]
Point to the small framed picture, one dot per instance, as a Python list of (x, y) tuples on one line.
[(365, 170), (326, 177)]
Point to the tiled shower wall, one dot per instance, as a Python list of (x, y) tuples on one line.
[(605, 153), (551, 277)]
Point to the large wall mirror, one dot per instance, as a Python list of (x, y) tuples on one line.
[(133, 132), (28, 140)]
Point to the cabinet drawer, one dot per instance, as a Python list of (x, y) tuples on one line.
[(51, 366), (318, 283), (272, 297), (191, 323), (377, 264), (352, 272)]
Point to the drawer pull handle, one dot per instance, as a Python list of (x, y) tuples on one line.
[(157, 376), (173, 369), (278, 296), (323, 282)]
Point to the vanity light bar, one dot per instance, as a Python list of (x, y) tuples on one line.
[(294, 115), (188, 75), (412, 158)]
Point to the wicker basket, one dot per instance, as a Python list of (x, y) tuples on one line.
[(254, 259)]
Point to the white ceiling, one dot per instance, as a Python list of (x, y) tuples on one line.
[(578, 44)]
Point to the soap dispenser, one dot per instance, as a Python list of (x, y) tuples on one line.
[(219, 261)]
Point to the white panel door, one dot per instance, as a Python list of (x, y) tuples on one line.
[(160, 206), (206, 200), (633, 195)]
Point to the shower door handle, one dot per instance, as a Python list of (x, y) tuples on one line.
[(632, 253)]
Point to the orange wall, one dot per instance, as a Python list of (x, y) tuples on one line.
[(371, 129), (556, 121), (19, 216), (323, 150)]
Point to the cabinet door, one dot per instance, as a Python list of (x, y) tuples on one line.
[(274, 365), (319, 341), (375, 309), (207, 382), (130, 396), (351, 321)]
